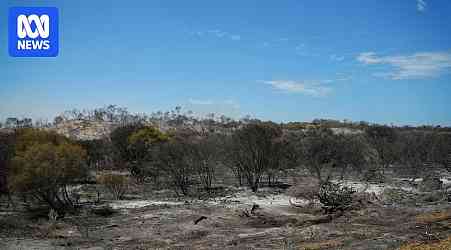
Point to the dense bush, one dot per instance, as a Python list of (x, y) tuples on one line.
[(143, 147), (44, 166), (121, 145), (100, 153)]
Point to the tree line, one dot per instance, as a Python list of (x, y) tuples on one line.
[(41, 165)]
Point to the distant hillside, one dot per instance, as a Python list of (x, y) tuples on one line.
[(84, 129), (100, 122)]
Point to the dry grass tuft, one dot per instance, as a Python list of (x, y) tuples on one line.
[(433, 217), (441, 245), (327, 244)]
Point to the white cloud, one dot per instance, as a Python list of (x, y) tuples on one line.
[(415, 66), (315, 89), (368, 58), (421, 5)]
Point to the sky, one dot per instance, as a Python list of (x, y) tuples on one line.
[(287, 60)]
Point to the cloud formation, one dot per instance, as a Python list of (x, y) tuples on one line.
[(421, 5), (415, 66), (316, 89)]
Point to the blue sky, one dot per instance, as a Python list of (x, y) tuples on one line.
[(379, 61)]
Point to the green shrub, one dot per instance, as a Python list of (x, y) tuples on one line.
[(143, 146), (44, 166)]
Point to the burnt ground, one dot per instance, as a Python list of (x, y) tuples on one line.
[(153, 222)]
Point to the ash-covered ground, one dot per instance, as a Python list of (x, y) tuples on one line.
[(385, 215)]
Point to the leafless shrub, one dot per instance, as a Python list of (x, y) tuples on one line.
[(205, 158), (385, 140), (116, 184), (326, 154), (255, 149), (175, 159), (53, 215)]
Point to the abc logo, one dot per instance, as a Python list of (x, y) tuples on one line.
[(24, 26), (24, 30), (33, 32)]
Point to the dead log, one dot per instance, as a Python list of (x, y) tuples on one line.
[(254, 208), (200, 219)]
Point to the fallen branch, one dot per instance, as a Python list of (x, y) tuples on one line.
[(200, 219)]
